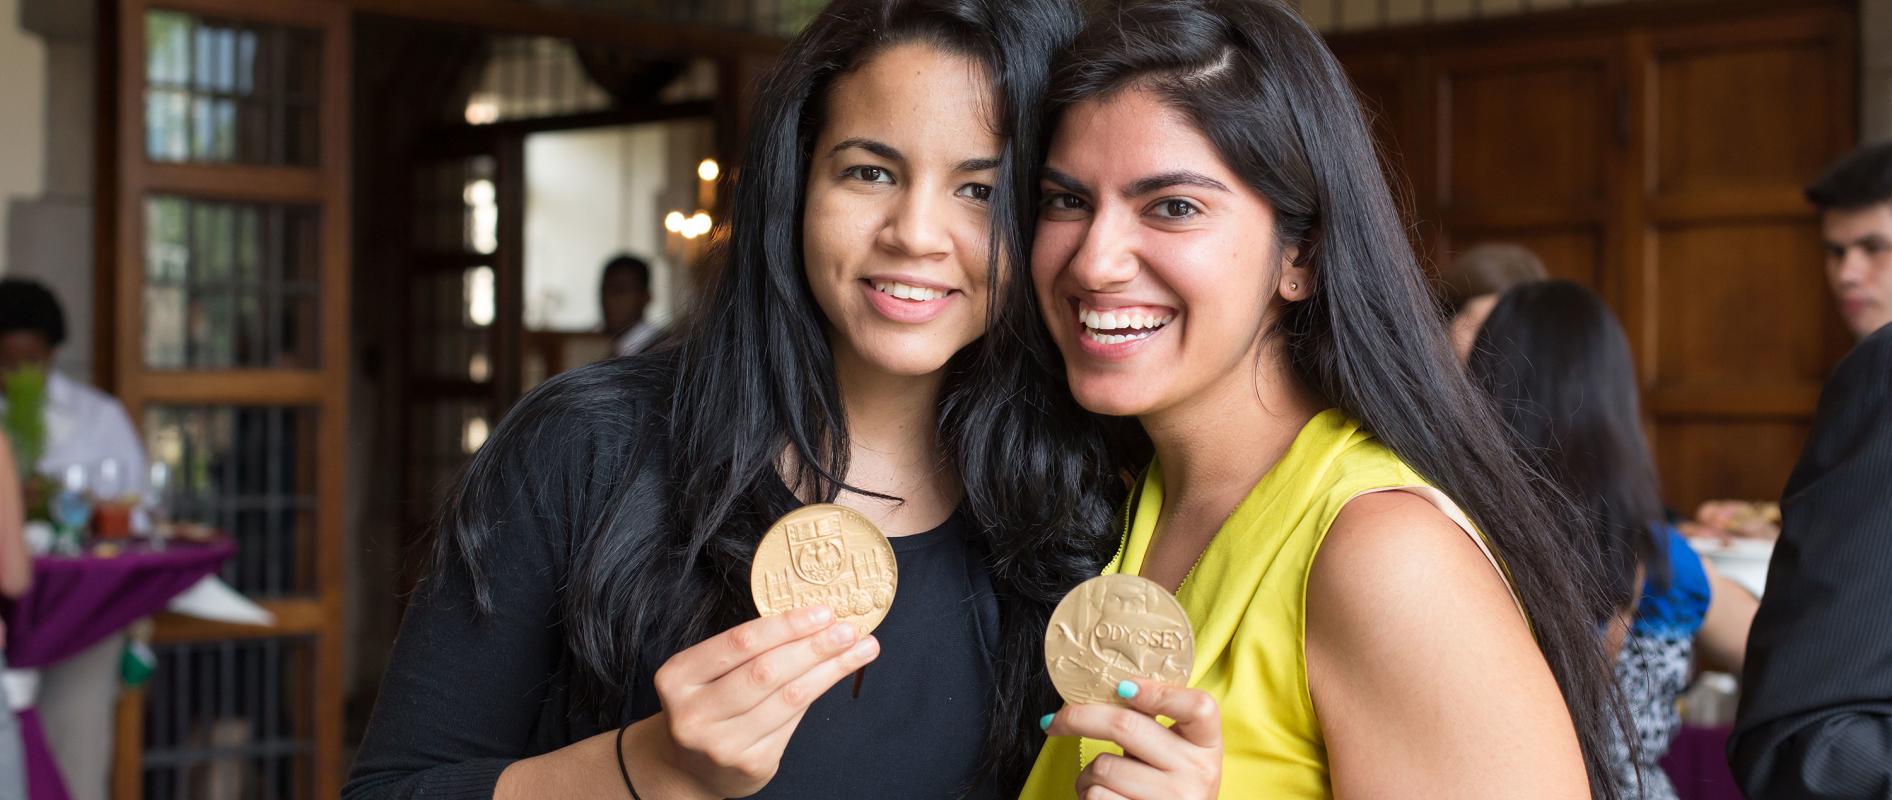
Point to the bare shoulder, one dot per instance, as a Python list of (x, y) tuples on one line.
[(1394, 552), (1423, 673)]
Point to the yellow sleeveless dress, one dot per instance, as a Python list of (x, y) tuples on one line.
[(1247, 600)]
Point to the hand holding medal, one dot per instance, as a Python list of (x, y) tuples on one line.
[(823, 578), (1119, 649)]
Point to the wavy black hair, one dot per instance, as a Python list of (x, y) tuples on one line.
[(1275, 104), (1558, 364), (754, 389)]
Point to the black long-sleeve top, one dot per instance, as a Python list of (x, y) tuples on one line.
[(467, 693)]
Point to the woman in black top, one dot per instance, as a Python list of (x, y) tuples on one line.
[(865, 343)]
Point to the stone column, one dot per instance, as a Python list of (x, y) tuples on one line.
[(49, 237)]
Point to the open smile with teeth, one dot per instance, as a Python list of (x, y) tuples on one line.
[(1117, 326), (917, 294)]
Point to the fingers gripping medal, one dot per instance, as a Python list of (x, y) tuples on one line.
[(825, 554), (1113, 627)]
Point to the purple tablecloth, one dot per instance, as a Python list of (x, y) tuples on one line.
[(42, 772), (77, 601), (1697, 764)]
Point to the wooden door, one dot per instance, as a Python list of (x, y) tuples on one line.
[(461, 291), (1526, 138), (1654, 152), (1738, 327), (224, 230)]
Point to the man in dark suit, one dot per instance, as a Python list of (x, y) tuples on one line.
[(1816, 706)]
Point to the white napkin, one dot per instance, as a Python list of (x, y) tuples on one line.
[(19, 688), (212, 599)]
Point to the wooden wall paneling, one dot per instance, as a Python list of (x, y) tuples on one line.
[(1655, 152), (1742, 113), (1706, 458), (1528, 140), (1391, 93)]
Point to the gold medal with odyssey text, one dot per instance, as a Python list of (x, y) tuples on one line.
[(1113, 627)]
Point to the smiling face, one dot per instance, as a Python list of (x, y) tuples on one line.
[(1156, 265), (896, 221)]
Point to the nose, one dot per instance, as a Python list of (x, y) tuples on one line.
[(1852, 267), (1105, 261), (917, 227)]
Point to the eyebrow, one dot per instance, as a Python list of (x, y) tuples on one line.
[(881, 149), (1868, 239), (1065, 182), (1179, 178), (886, 151), (1142, 186)]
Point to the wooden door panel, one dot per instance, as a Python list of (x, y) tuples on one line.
[(1738, 118), (1740, 306), (1525, 135), (1708, 459)]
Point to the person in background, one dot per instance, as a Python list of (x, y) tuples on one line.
[(1855, 202), (1815, 718), (623, 294), (1854, 198), (16, 576), (1558, 364), (84, 427), (1476, 278)]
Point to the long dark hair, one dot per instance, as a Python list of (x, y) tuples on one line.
[(754, 382), (1557, 363), (1267, 93)]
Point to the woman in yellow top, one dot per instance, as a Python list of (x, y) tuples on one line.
[(1219, 256)]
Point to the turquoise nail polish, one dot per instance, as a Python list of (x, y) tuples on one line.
[(1044, 722), (1126, 689)]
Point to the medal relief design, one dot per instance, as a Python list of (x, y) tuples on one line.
[(825, 554), (1113, 627)]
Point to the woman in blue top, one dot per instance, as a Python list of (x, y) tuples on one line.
[(1558, 364)]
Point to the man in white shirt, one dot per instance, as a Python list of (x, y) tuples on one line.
[(87, 427), (623, 293)]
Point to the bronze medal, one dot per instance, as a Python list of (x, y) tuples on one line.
[(1113, 627), (825, 554)]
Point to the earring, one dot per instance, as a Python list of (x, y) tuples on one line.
[(1294, 286)]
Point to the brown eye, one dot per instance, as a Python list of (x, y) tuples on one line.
[(976, 191), (1063, 201), (1177, 209)]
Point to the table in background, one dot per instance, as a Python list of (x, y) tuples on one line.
[(78, 601), (1697, 764)]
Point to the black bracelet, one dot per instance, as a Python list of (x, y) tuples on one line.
[(624, 771)]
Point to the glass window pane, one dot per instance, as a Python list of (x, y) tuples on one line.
[(225, 92), (230, 285), (247, 472), (448, 432), (230, 719), (452, 314)]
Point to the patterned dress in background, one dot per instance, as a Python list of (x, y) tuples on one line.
[(1654, 665)]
